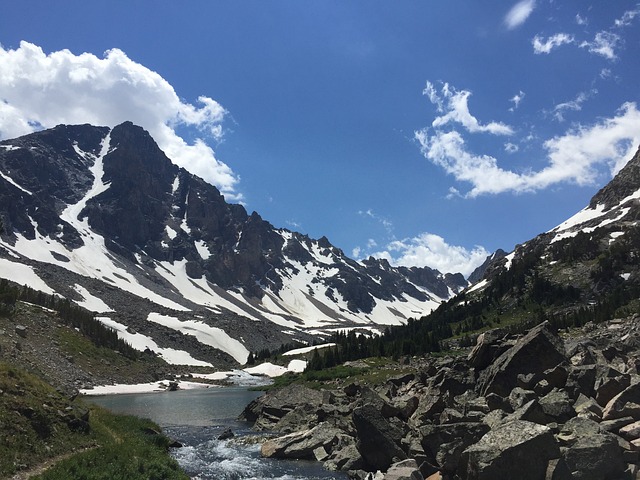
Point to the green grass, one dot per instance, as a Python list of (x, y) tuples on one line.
[(128, 449), (36, 422), (39, 424), (376, 370)]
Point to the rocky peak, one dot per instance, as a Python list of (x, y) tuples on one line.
[(625, 183)]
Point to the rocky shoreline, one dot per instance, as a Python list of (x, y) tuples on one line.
[(536, 406)]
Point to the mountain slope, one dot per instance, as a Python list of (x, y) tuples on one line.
[(585, 269), (103, 217)]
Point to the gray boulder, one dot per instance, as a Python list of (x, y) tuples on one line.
[(539, 350), (557, 405), (626, 403), (302, 445), (591, 457), (517, 449), (404, 470), (443, 444), (378, 440)]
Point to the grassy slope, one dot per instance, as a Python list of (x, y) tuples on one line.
[(38, 424)]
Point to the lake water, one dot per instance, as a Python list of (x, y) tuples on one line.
[(196, 418)]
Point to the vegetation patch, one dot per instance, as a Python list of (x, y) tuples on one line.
[(39, 424)]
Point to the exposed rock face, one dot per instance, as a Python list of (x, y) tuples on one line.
[(530, 422)]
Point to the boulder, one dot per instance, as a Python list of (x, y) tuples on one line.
[(577, 428), (626, 403), (301, 445), (345, 456), (539, 350), (378, 440), (630, 432), (404, 470), (443, 444), (226, 434), (517, 449), (267, 410), (591, 457), (557, 405), (488, 347)]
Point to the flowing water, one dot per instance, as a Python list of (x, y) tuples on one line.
[(196, 418)]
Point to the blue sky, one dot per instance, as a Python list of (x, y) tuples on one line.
[(430, 133)]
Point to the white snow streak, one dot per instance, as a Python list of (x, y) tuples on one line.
[(12, 182)]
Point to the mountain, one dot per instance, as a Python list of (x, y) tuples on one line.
[(585, 269), (103, 217)]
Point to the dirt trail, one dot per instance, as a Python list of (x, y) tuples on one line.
[(41, 468)]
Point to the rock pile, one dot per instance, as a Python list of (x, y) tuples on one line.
[(533, 407)]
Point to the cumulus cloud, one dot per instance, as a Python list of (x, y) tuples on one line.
[(604, 44), (519, 13), (542, 45), (39, 90), (575, 157), (454, 105), (428, 249)]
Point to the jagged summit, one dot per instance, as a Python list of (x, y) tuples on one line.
[(624, 184), (103, 217)]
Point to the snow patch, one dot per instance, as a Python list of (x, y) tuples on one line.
[(481, 284), (171, 233), (271, 370), (202, 249), (23, 275), (90, 302), (154, 387), (142, 342), (206, 334), (300, 351)]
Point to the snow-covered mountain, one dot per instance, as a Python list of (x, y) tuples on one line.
[(101, 216)]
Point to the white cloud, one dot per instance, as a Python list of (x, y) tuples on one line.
[(603, 44), (511, 147), (541, 45), (387, 224), (519, 13), (627, 17), (575, 157), (575, 104), (455, 107), (516, 99), (433, 251), (39, 90), (580, 20)]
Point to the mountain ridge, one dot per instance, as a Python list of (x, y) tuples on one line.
[(105, 218)]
